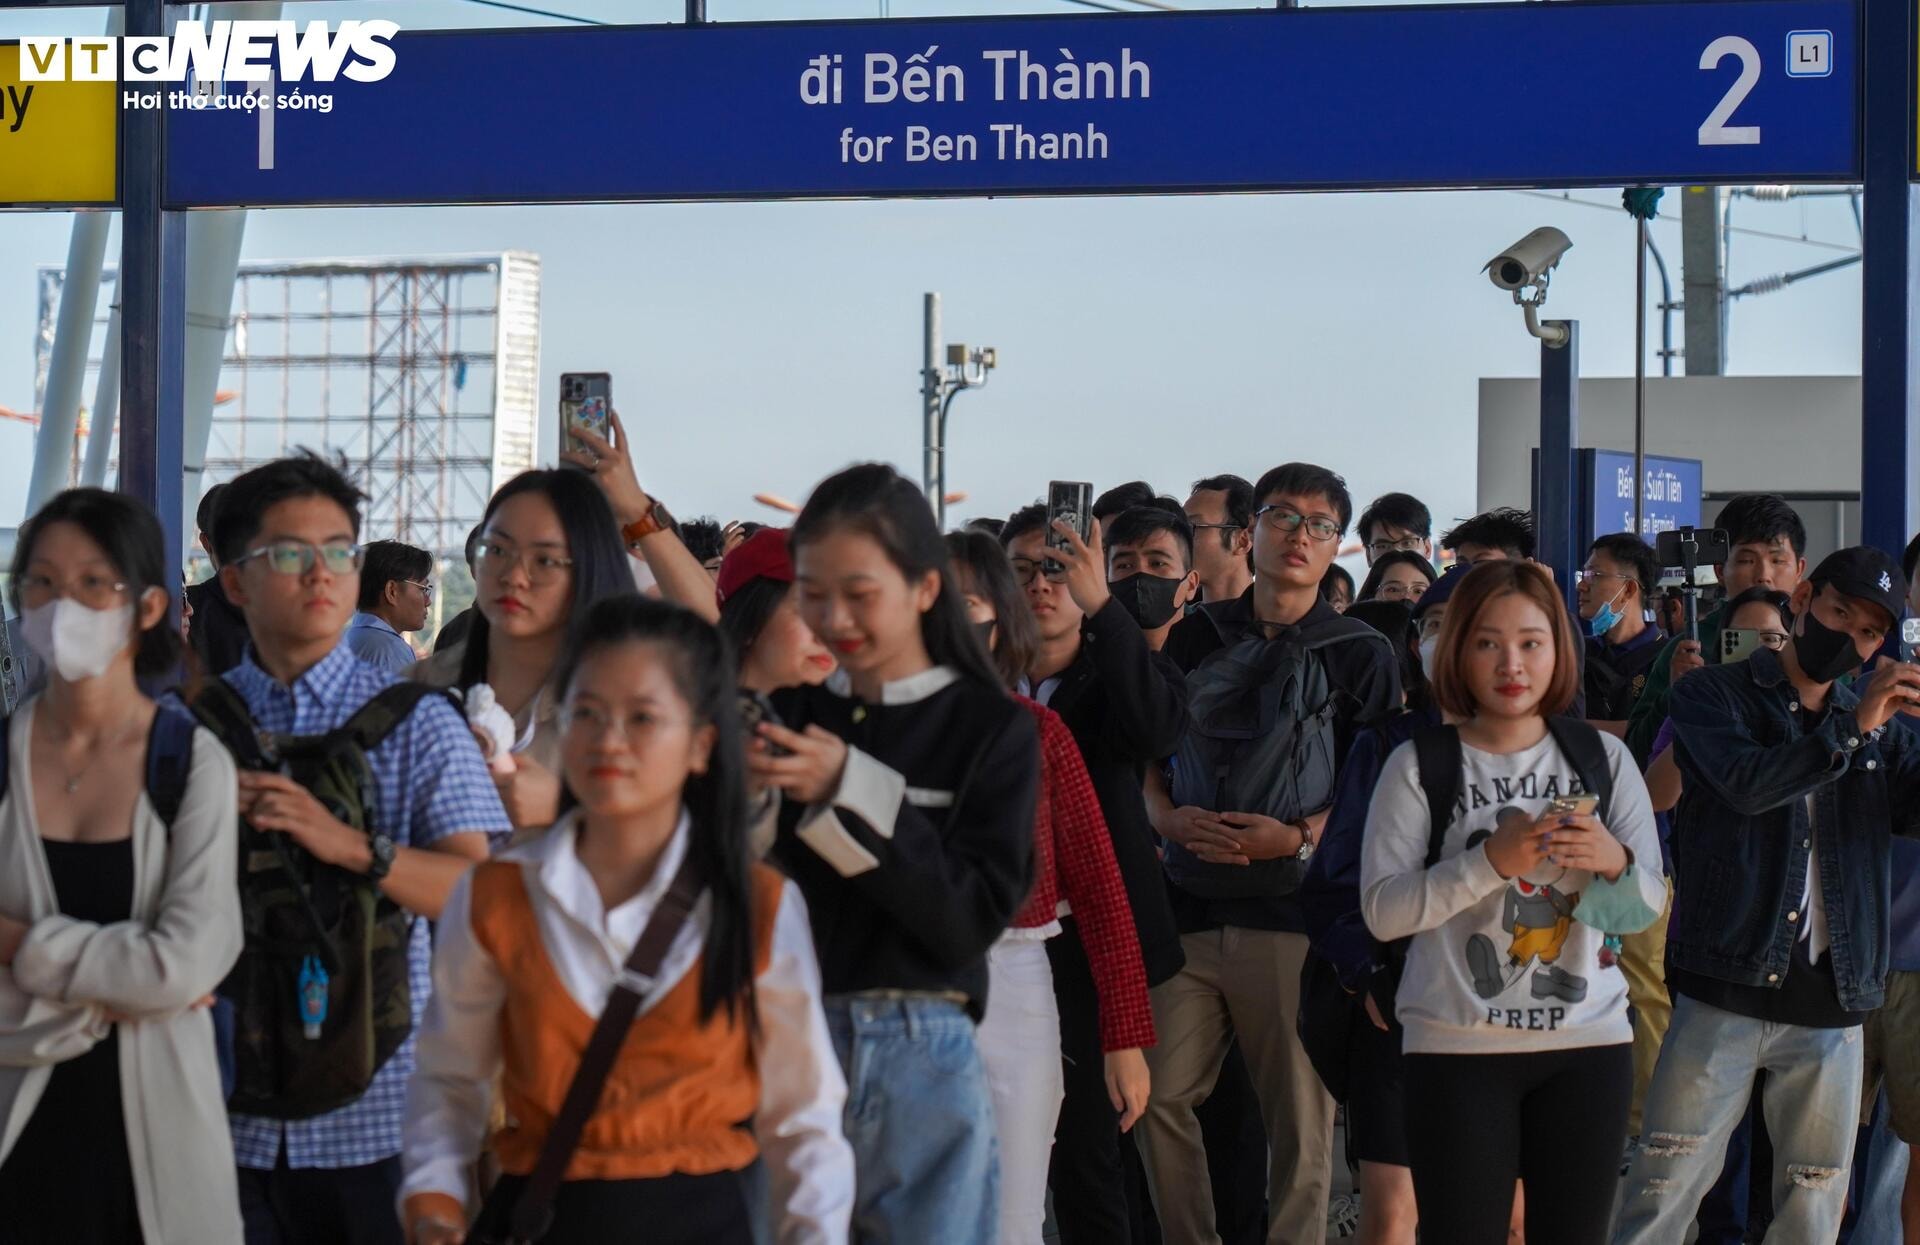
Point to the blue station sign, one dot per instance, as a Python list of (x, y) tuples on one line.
[(1315, 99), (1671, 499)]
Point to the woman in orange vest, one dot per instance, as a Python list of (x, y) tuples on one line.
[(724, 1104)]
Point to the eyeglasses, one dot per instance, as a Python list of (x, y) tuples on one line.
[(1024, 571), (1395, 590), (499, 558), (1283, 519), (426, 590), (593, 722), (1405, 544), (1587, 576), (1775, 640), (1218, 527), (93, 589), (297, 557)]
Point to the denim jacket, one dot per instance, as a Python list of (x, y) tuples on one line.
[(1742, 829)]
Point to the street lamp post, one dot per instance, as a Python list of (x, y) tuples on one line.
[(940, 382)]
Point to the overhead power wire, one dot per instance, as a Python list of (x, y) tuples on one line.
[(1752, 233), (521, 8)]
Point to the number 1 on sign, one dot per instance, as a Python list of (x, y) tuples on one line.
[(1714, 131)]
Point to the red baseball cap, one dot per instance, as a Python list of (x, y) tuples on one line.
[(762, 555)]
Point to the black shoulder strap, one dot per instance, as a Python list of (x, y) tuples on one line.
[(1582, 743), (533, 1211), (220, 709), (6, 752), (1437, 749), (169, 761), (388, 708)]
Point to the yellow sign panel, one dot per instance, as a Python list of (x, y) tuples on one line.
[(59, 141)]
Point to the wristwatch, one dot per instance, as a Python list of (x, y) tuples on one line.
[(656, 519), (1306, 842), (383, 852)]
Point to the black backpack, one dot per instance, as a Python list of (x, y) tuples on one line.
[(1260, 740), (312, 928)]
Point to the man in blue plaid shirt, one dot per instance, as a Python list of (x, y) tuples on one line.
[(287, 535)]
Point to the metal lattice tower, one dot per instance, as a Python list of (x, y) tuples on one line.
[(422, 373)]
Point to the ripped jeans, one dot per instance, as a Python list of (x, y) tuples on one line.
[(1699, 1092)]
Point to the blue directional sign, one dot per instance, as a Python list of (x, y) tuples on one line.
[(1671, 500), (1315, 99)]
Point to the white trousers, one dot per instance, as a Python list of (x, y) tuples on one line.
[(1020, 1044)]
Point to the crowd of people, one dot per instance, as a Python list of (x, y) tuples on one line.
[(859, 881)]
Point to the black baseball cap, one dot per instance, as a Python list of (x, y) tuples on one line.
[(1867, 573)]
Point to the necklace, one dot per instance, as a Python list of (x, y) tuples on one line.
[(72, 783)]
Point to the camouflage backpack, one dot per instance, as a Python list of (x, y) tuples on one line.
[(320, 994)]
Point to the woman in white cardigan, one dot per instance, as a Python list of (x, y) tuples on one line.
[(114, 926)]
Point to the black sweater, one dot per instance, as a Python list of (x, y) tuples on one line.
[(1127, 707), (928, 894)]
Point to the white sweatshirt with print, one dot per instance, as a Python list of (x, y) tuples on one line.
[(1501, 965)]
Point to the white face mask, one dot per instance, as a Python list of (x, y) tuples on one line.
[(78, 642), (1428, 647)]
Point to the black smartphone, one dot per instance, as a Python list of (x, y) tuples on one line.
[(1069, 502), (586, 401), (1711, 546), (755, 708)]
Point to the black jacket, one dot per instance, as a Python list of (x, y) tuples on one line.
[(908, 888), (1127, 707), (217, 631)]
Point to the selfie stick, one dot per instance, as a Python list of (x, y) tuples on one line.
[(1689, 593)]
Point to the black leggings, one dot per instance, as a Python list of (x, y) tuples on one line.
[(1557, 1121)]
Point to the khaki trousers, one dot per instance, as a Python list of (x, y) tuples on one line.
[(1245, 983), (1643, 961)]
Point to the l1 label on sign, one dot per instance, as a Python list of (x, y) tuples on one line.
[(59, 141)]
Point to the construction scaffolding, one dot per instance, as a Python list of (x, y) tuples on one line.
[(421, 373)]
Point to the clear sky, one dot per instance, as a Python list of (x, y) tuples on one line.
[(758, 347)]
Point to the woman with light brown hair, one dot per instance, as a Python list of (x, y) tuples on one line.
[(1511, 901)]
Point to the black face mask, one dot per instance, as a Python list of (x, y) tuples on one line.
[(1823, 653), (1148, 599)]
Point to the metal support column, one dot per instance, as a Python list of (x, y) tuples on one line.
[(1702, 281), (1556, 526), (1890, 281), (933, 469), (153, 312)]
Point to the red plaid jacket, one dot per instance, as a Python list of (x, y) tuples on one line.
[(1073, 859)]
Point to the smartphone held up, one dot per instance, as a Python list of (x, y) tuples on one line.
[(1069, 502), (586, 403)]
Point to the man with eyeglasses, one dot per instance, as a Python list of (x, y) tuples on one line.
[(1221, 511), (1395, 522), (395, 598), (1621, 645), (1235, 871), (1126, 707), (286, 534), (1768, 549)]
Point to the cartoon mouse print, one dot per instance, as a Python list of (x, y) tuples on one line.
[(1538, 918)]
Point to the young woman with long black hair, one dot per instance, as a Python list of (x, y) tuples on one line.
[(116, 918), (1074, 871), (729, 1030), (1518, 1046), (910, 783), (548, 549)]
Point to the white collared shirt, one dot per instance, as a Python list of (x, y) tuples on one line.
[(802, 1091)]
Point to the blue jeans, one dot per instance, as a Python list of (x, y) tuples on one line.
[(920, 1119), (1700, 1090), (1879, 1178)]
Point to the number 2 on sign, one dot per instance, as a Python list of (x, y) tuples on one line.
[(1714, 131)]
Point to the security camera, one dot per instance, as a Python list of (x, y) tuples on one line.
[(1528, 261)]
